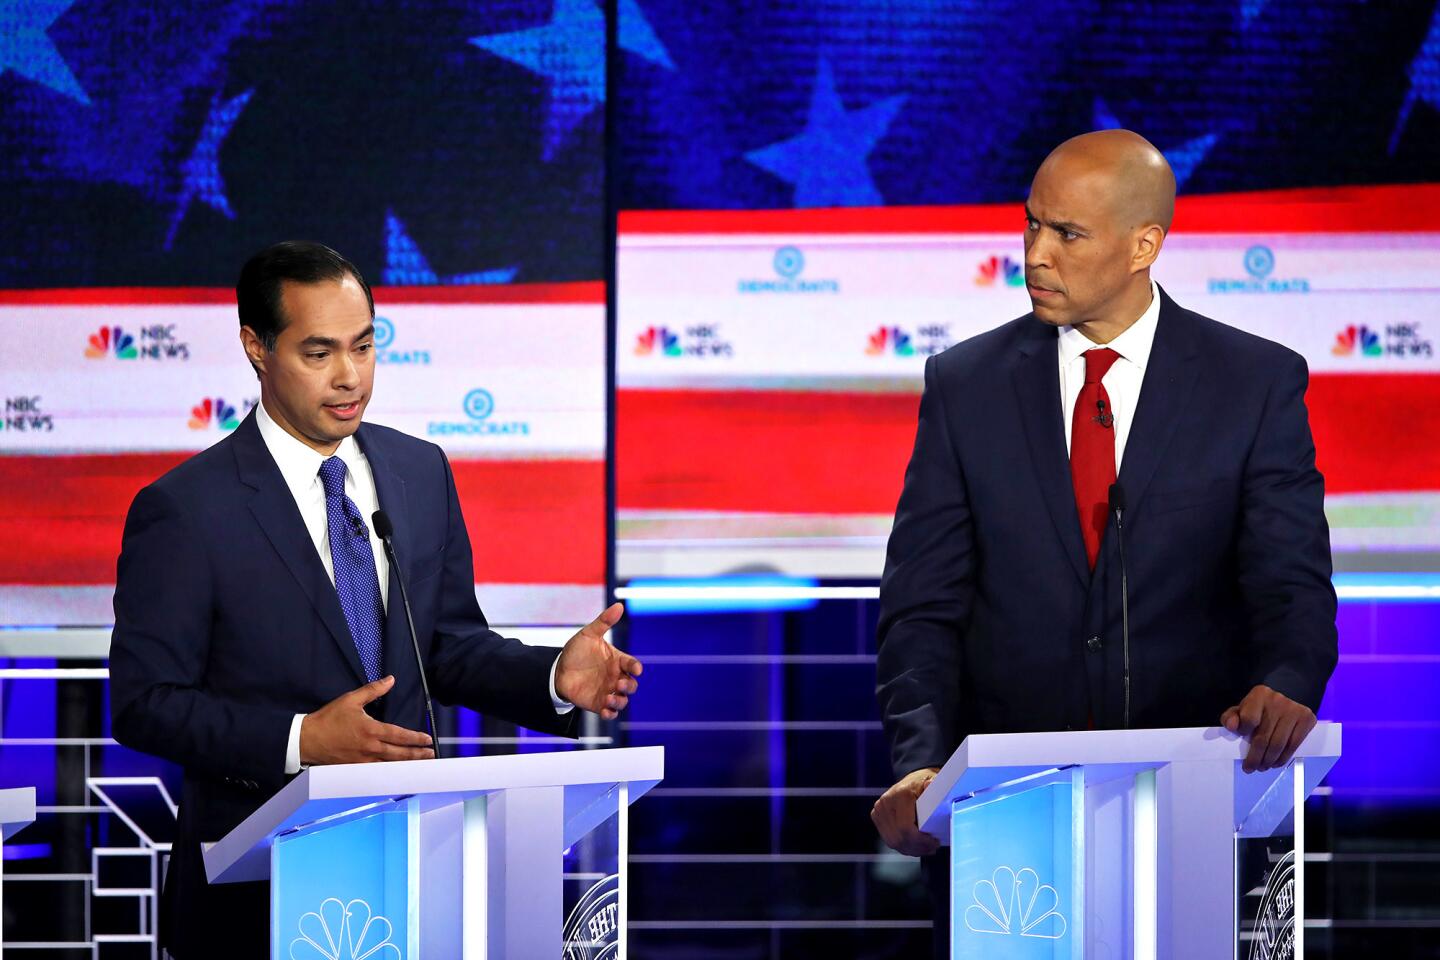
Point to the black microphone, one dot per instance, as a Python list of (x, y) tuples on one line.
[(1117, 509), (1106, 419), (386, 532)]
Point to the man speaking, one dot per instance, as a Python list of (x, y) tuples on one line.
[(1000, 607), (256, 621)]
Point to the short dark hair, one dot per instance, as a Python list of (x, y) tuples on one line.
[(257, 292)]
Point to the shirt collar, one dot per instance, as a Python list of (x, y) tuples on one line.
[(299, 464), (1134, 344)]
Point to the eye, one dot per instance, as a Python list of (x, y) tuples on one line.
[(1069, 234), (317, 356), (1032, 224), (364, 347)]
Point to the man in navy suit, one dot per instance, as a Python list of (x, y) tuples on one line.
[(1000, 603), (255, 622)]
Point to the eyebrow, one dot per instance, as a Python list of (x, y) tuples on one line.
[(1064, 226), (330, 342)]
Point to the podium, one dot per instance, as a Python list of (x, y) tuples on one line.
[(1124, 844), (460, 858), (17, 811)]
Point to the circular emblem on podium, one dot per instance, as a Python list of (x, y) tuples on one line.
[(592, 931), (1275, 920)]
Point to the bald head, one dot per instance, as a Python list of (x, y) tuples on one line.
[(1125, 171), (1098, 212)]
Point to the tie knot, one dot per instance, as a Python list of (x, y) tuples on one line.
[(1097, 364), (332, 475)]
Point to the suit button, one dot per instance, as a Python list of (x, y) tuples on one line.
[(1093, 643)]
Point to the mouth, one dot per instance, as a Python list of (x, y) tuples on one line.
[(344, 411), (1042, 293)]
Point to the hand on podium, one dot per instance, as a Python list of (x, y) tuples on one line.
[(894, 815), (342, 732), (592, 674), (1274, 724)]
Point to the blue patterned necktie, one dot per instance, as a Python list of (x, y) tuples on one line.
[(355, 579)]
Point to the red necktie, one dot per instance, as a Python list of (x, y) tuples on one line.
[(1092, 451)]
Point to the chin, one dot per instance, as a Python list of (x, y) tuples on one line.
[(1047, 316)]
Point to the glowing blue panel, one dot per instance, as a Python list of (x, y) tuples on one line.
[(344, 890), (1016, 875)]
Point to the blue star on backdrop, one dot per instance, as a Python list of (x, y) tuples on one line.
[(1183, 158), (27, 49), (406, 266), (827, 162), (1424, 79), (200, 174), (569, 51)]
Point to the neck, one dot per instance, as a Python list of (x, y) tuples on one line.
[(1122, 314), (323, 447)]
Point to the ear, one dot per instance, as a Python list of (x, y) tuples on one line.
[(1147, 247), (255, 351)]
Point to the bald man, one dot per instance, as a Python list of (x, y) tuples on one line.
[(1000, 605)]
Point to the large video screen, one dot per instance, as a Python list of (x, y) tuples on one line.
[(769, 363), (453, 151)]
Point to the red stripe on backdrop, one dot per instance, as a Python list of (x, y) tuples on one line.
[(530, 521), (762, 451), (1407, 208), (845, 453), (1376, 433), (581, 292)]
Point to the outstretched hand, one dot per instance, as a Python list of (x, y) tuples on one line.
[(1274, 724), (342, 732), (592, 674)]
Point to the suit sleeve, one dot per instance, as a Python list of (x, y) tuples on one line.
[(925, 596), (1284, 549), (472, 664), (160, 647)]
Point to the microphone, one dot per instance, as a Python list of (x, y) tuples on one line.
[(386, 532), (1106, 419), (1117, 510)]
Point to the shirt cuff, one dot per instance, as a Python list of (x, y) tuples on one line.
[(562, 707), (292, 749)]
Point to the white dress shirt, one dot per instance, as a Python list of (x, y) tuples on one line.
[(1122, 382), (300, 466)]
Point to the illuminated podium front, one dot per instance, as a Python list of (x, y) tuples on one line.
[(513, 857), (1120, 844)]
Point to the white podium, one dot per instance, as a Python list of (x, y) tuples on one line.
[(17, 811), (458, 858), (1124, 844)]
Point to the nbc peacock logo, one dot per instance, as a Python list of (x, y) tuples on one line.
[(1016, 903), (890, 340), (213, 412), (998, 271), (344, 931), (658, 341), (1357, 339), (106, 339)]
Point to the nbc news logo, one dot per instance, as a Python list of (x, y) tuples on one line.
[(156, 342)]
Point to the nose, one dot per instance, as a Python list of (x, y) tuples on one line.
[(1038, 252), (347, 377)]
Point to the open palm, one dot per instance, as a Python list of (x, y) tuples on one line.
[(592, 674)]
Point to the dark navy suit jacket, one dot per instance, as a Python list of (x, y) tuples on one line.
[(227, 625), (988, 606)]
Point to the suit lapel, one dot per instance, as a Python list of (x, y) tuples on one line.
[(1037, 382), (274, 509), (1169, 379)]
